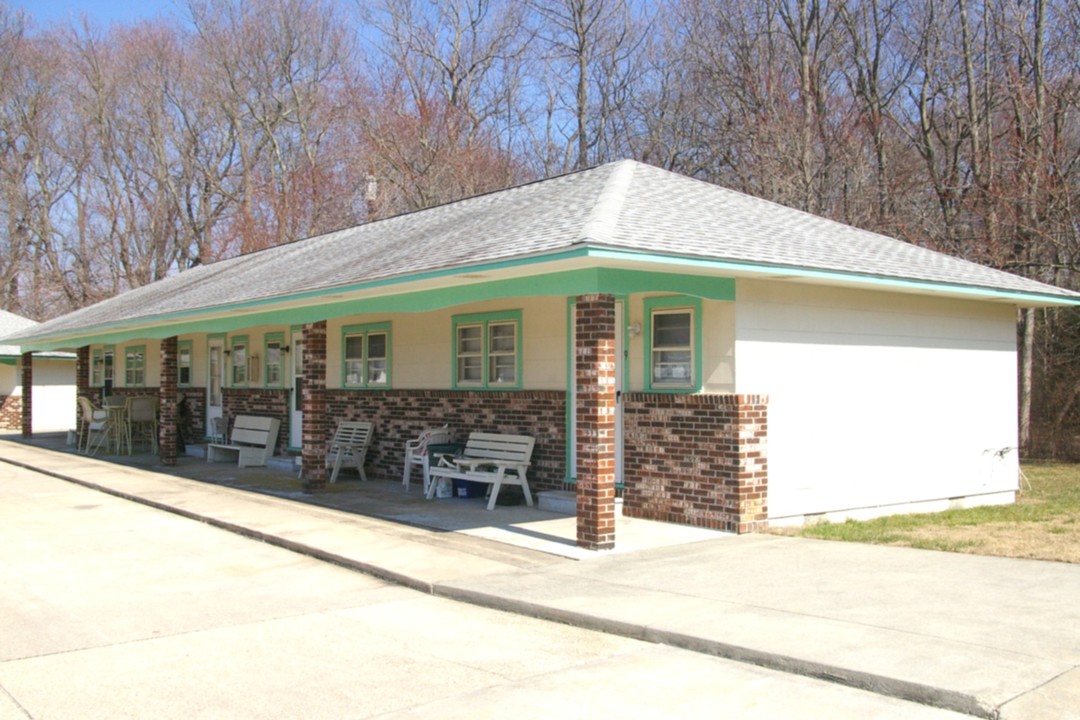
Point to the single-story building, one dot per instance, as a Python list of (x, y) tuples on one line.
[(54, 383), (717, 359)]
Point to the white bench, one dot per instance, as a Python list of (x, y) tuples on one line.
[(252, 441), (489, 458), (351, 441)]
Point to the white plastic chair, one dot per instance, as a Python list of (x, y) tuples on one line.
[(91, 422), (416, 453)]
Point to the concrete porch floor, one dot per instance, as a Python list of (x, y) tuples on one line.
[(520, 526)]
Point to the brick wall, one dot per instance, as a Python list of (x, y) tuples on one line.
[(194, 399), (10, 412), (697, 460), (400, 415), (264, 402)]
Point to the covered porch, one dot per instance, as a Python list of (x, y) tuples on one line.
[(562, 357)]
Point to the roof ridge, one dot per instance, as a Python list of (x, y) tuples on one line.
[(605, 213)]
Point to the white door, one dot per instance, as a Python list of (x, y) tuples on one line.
[(620, 358), (296, 408), (214, 372)]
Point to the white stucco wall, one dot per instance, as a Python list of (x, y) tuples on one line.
[(879, 400), (53, 394)]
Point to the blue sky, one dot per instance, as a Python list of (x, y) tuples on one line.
[(104, 12)]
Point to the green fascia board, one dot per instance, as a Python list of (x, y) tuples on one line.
[(573, 282), (8, 360), (1020, 297), (566, 283)]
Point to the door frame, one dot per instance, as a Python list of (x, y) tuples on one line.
[(214, 342), (296, 400)]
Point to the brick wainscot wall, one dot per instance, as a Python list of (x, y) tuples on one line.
[(10, 412), (697, 460), (401, 415)]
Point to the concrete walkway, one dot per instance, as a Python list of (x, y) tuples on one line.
[(990, 637)]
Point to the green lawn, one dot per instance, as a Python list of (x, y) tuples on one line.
[(1044, 523)]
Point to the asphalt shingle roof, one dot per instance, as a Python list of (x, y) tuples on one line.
[(624, 205)]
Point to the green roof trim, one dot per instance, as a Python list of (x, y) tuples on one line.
[(566, 283)]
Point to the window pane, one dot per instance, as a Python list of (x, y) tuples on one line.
[(353, 368), (502, 337), (470, 340), (469, 370), (377, 345), (502, 369), (671, 330), (184, 376), (354, 347), (377, 372)]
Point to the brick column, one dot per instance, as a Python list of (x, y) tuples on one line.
[(595, 412), (167, 400), (749, 484), (313, 403), (27, 395), (82, 387)]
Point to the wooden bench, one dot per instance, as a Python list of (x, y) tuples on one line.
[(351, 441), (489, 458), (252, 441)]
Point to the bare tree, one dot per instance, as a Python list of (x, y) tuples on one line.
[(441, 116), (588, 60)]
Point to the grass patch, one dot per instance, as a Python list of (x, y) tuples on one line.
[(1042, 524)]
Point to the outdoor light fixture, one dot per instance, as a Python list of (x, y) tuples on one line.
[(634, 329)]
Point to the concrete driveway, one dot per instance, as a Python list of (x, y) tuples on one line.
[(985, 636)]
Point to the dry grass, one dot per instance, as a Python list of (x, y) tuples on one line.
[(1043, 524)]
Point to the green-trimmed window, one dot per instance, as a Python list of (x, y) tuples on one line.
[(238, 360), (183, 363), (135, 366), (275, 359), (101, 366), (365, 351), (673, 334), (487, 350)]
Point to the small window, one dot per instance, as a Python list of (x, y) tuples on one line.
[(101, 366), (275, 360), (183, 363), (673, 353), (487, 350), (366, 356), (135, 366), (238, 360), (97, 368)]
